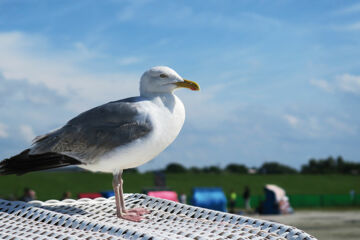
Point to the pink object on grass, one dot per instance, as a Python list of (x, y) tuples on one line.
[(89, 195), (169, 195)]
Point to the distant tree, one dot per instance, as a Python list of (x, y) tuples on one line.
[(215, 169), (341, 165), (236, 168), (211, 169), (311, 167), (175, 168), (276, 168), (321, 166), (195, 170), (330, 166)]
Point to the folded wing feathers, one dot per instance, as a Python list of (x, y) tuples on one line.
[(24, 162)]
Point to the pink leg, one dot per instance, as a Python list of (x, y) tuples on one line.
[(120, 208), (117, 195), (137, 211)]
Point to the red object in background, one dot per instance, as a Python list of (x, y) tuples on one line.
[(169, 195), (89, 195)]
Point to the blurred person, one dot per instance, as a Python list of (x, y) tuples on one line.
[(159, 179), (66, 195), (352, 196), (11, 197), (232, 202), (28, 195), (183, 198), (246, 196)]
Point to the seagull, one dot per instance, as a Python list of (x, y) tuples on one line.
[(114, 136)]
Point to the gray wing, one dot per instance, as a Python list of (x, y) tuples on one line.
[(96, 131)]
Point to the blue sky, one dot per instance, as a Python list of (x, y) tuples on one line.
[(280, 79)]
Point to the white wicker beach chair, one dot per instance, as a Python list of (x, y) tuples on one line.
[(95, 219)]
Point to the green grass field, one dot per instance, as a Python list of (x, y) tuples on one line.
[(51, 185)]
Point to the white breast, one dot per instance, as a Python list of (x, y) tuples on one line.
[(167, 116)]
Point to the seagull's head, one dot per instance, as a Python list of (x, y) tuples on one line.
[(162, 79)]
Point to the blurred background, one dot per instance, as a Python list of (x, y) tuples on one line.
[(275, 128)]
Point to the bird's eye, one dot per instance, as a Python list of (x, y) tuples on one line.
[(163, 75)]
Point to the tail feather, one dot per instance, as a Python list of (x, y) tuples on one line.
[(24, 162)]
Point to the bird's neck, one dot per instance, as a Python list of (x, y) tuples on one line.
[(167, 99)]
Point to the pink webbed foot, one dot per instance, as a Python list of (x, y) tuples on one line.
[(130, 217), (138, 211)]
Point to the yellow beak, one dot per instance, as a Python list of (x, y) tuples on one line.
[(188, 84)]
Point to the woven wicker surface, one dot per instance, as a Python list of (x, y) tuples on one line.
[(95, 219)]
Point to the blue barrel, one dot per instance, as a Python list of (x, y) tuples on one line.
[(209, 197), (108, 194)]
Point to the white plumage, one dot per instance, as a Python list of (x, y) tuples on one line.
[(166, 123)]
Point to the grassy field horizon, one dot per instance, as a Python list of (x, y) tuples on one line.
[(51, 185)]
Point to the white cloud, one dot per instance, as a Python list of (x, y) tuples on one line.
[(346, 83), (342, 126), (84, 51), (126, 14), (320, 125), (32, 58), (323, 84), (176, 15), (353, 26), (204, 110), (292, 120), (317, 126), (128, 61), (3, 131), (27, 132), (184, 16), (349, 83)]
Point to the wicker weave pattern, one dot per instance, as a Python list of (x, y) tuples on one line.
[(95, 219)]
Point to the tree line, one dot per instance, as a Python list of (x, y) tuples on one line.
[(328, 165)]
